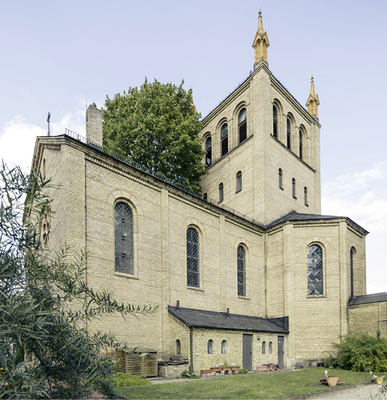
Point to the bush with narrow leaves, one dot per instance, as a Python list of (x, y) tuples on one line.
[(45, 304)]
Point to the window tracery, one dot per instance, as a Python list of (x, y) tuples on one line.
[(192, 257), (315, 270), (123, 223)]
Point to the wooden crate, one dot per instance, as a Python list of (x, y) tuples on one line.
[(145, 364)]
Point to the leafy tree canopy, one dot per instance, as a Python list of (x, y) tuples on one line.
[(157, 126), (45, 305)]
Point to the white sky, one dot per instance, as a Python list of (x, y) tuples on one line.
[(59, 56)]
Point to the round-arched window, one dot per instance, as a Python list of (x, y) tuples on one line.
[(315, 270)]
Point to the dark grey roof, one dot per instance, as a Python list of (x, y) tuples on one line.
[(295, 216), (368, 298), (220, 320)]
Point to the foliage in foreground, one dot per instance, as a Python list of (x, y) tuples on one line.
[(123, 379), (45, 305), (356, 353), (274, 385), (157, 125)]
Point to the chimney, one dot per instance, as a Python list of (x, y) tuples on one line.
[(94, 125)]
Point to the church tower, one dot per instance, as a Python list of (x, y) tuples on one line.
[(263, 147)]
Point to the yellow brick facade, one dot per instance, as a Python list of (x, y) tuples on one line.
[(88, 183)]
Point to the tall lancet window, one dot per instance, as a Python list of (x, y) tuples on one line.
[(221, 196), (315, 270), (294, 188), (241, 271), (242, 126), (224, 139), (352, 269), (301, 144), (238, 181), (123, 224), (208, 145), (192, 257), (275, 122), (288, 133), (280, 178)]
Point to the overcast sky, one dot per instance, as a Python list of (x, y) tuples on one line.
[(59, 56)]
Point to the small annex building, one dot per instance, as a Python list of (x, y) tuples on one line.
[(247, 272)]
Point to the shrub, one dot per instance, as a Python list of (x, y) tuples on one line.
[(356, 353), (122, 379), (243, 371), (187, 375)]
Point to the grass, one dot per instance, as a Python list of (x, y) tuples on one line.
[(276, 385)]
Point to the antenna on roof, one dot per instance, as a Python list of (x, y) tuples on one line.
[(48, 123)]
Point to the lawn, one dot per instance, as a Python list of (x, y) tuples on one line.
[(275, 385)]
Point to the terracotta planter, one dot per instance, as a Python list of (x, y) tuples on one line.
[(332, 380)]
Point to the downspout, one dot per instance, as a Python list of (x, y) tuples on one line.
[(191, 367)]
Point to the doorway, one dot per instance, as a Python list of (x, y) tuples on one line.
[(281, 351), (248, 352)]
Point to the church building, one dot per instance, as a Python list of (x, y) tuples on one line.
[(246, 273)]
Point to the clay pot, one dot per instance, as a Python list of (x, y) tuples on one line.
[(332, 381)]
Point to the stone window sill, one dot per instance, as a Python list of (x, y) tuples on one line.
[(127, 276)]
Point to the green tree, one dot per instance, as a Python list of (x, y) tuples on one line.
[(45, 305), (157, 127)]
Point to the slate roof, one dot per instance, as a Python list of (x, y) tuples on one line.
[(220, 320), (295, 216), (368, 298)]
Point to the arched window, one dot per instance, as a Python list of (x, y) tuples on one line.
[(305, 195), (280, 176), (315, 270), (45, 226), (242, 126), (223, 347), (352, 269), (208, 147), (123, 224), (238, 181), (178, 347), (263, 347), (288, 133), (210, 346), (220, 192), (192, 257), (224, 139), (241, 271), (294, 188), (270, 347), (275, 122), (301, 143)]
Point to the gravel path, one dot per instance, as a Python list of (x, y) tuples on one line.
[(360, 392)]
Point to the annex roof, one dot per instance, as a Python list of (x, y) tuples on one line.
[(295, 216), (368, 298), (194, 318)]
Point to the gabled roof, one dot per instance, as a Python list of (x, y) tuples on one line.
[(194, 318), (295, 216), (368, 298)]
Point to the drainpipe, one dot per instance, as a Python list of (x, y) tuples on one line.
[(191, 367)]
